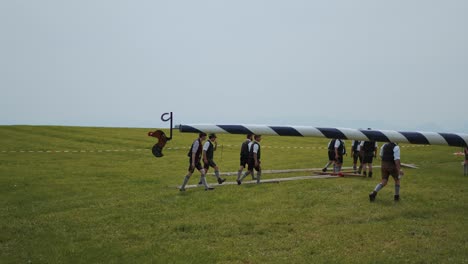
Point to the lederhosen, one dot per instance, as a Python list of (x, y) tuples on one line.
[(198, 165), (388, 162), (244, 154), (368, 151), (209, 157), (356, 154), (251, 157), (331, 151)]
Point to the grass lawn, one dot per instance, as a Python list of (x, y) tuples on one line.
[(98, 195)]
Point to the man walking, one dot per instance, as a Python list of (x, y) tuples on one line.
[(208, 153), (194, 155), (244, 155), (368, 152), (390, 154), (336, 149), (254, 160), (356, 155)]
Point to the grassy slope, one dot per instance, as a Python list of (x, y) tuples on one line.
[(116, 207)]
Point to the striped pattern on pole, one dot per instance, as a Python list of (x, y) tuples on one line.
[(424, 138)]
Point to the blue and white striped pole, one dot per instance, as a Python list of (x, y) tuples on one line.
[(424, 138)]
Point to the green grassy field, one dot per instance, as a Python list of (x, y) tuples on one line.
[(98, 195)]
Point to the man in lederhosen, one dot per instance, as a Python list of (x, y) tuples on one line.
[(356, 155), (208, 153), (390, 155), (254, 159), (368, 152), (194, 155), (244, 155), (336, 149)]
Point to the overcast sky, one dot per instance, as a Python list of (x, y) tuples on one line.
[(399, 64)]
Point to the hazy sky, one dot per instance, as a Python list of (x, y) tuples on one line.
[(395, 64)]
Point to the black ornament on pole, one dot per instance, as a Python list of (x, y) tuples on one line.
[(161, 136)]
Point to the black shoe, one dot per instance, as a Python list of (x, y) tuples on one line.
[(372, 196), (238, 182), (220, 181), (370, 174), (396, 198), (209, 189), (365, 174), (200, 183), (324, 169), (182, 189)]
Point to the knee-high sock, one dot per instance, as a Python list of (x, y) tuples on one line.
[(259, 174), (378, 187), (466, 169), (328, 164), (397, 189), (186, 179), (239, 173), (245, 175), (203, 180), (217, 174), (338, 168)]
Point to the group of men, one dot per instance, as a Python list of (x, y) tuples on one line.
[(249, 155), (365, 152)]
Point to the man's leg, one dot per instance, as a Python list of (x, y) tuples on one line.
[(239, 172), (186, 179), (259, 174), (203, 180), (377, 188), (364, 169), (220, 180), (200, 182), (243, 176), (327, 165), (397, 190)]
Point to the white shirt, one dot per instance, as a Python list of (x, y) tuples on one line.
[(196, 144), (337, 143), (255, 148), (250, 145), (206, 145), (396, 152)]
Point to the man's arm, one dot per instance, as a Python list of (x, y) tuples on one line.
[(396, 154), (255, 155), (205, 159), (205, 148)]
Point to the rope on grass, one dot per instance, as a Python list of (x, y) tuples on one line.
[(169, 148)]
